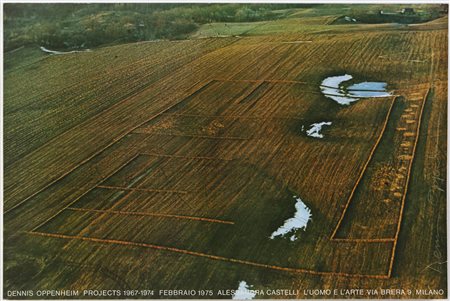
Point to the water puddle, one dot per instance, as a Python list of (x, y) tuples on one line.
[(315, 128), (300, 220), (61, 52), (244, 292), (333, 88)]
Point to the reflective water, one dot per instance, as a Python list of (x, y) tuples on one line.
[(332, 87), (300, 220)]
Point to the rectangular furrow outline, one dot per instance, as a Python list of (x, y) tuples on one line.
[(143, 213), (349, 200), (85, 193), (201, 88), (255, 264), (363, 171), (209, 256), (98, 185), (419, 123), (256, 85)]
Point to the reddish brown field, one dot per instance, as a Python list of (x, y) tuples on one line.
[(169, 166)]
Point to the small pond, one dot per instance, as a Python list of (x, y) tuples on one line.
[(333, 87)]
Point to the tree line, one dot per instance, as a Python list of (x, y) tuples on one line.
[(65, 26)]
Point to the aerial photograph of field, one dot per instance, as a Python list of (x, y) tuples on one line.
[(224, 151)]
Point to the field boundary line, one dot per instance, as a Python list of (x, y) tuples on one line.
[(252, 90), (285, 81), (363, 171), (205, 255), (114, 141), (195, 218), (200, 136), (349, 96), (239, 80), (364, 240), (232, 116), (262, 80), (405, 191), (357, 90), (184, 157), (86, 192), (141, 189)]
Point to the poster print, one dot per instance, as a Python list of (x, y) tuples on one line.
[(224, 151)]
